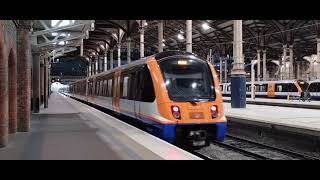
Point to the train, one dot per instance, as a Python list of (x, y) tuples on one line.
[(175, 95), (272, 89), (314, 89)]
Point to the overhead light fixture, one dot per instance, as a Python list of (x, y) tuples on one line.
[(181, 32), (180, 36), (61, 43), (205, 26), (146, 24), (163, 44)]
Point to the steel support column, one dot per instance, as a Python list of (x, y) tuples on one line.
[(128, 50), (119, 54), (189, 35), (111, 59), (264, 64), (160, 36), (258, 65), (238, 77), (142, 38)]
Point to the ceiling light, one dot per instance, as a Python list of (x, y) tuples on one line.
[(205, 26), (180, 36)]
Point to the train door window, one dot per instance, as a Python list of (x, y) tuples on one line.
[(229, 88), (147, 90), (279, 88), (263, 88), (248, 87), (105, 83), (97, 88), (221, 87), (109, 87), (125, 87), (317, 87), (133, 85)]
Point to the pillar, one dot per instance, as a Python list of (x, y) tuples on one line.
[(119, 54), (101, 63), (81, 47), (96, 66), (89, 68), (12, 79), (46, 82), (160, 36), (111, 59), (252, 80), (238, 77), (258, 65), (282, 62), (128, 50), (189, 35), (106, 61), (318, 50), (264, 64), (298, 69), (36, 81), (291, 73), (4, 116), (226, 70), (142, 38), (220, 77), (41, 80)]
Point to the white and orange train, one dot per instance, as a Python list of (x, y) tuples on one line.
[(175, 94)]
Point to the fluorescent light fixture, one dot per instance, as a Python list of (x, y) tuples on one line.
[(180, 36), (163, 44), (205, 26), (61, 43), (63, 23)]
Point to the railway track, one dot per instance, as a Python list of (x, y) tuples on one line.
[(260, 151)]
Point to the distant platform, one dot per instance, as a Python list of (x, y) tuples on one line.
[(69, 129), (280, 102), (305, 121)]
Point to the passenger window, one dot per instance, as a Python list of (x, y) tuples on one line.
[(147, 93), (109, 87), (125, 87), (279, 88)]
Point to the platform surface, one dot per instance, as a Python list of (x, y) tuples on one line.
[(308, 119), (284, 101), (71, 130)]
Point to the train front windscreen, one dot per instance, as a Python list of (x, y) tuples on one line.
[(188, 79)]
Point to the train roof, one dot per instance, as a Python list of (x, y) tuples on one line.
[(265, 82), (315, 81), (158, 56)]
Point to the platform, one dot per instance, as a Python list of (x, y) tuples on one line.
[(280, 102), (305, 121), (69, 129)]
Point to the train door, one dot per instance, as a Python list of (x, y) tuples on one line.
[(271, 89), (116, 91), (138, 86)]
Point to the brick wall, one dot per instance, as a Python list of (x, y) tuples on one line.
[(9, 33)]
